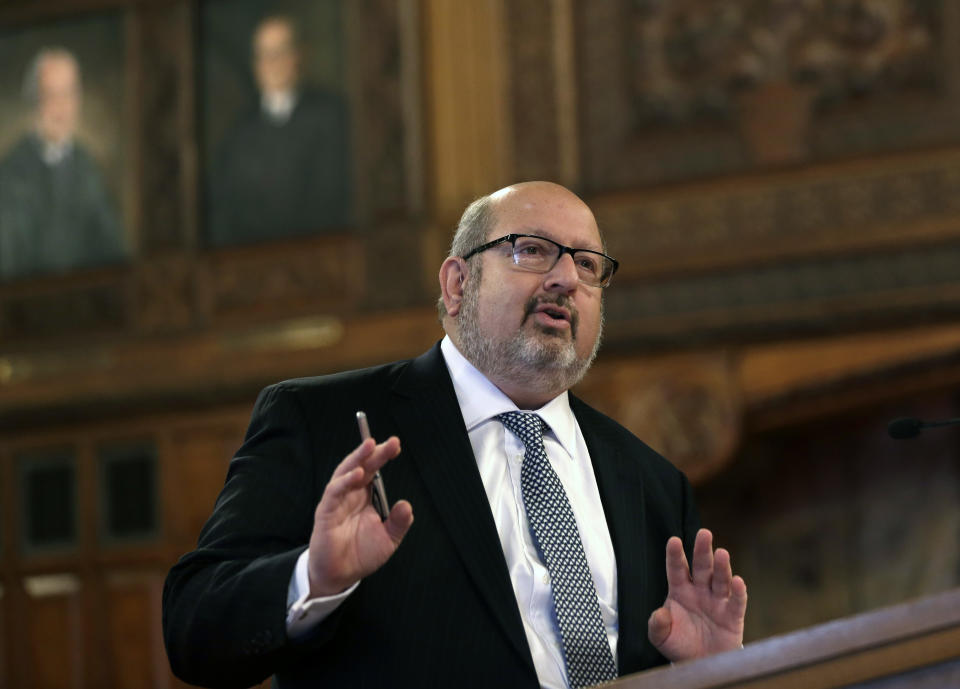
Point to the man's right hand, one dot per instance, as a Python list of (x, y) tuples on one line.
[(349, 541)]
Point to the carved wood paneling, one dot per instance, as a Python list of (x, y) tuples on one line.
[(375, 54), (859, 206), (132, 611), (91, 618), (832, 517), (819, 294), (810, 372), (673, 91), (195, 464), (922, 374), (54, 628), (175, 292), (465, 79), (687, 406), (254, 282), (167, 149), (533, 89), (188, 372), (4, 617), (165, 294), (89, 305), (393, 254)]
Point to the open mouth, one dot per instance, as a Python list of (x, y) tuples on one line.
[(553, 316)]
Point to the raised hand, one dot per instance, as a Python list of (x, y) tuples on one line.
[(349, 541), (703, 613)]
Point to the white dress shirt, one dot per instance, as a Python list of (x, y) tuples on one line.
[(499, 455), (53, 153), (278, 105)]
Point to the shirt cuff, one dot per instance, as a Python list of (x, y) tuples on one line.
[(303, 613)]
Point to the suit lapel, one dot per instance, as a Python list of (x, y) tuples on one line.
[(425, 406), (619, 482)]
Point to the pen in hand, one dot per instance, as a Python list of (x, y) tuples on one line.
[(378, 494)]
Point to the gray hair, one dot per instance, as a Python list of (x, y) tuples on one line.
[(475, 225), (31, 78)]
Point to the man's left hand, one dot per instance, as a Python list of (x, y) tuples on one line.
[(704, 612)]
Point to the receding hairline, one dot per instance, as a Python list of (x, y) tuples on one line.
[(483, 214), (498, 197), (533, 185), (284, 20)]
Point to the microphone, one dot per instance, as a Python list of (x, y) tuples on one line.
[(910, 428)]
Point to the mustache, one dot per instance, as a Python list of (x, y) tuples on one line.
[(561, 300)]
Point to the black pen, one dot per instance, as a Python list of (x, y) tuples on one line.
[(378, 494)]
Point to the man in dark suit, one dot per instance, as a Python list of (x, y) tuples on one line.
[(283, 168), (296, 575), (55, 211)]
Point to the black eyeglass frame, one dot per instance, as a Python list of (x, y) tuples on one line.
[(512, 238)]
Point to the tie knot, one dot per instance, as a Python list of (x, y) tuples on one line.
[(528, 427)]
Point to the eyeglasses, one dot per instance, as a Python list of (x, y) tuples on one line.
[(540, 255)]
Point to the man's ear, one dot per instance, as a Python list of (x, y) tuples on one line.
[(453, 271)]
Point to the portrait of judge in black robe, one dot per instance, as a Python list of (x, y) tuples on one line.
[(282, 169), (55, 211)]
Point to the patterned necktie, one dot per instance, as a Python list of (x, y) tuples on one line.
[(555, 535)]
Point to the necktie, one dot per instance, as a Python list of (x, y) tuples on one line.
[(554, 529)]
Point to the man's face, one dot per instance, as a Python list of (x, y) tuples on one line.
[(58, 99), (275, 59), (518, 323)]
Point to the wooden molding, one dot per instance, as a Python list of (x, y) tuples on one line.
[(879, 644)]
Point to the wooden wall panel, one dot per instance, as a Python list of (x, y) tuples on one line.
[(4, 676), (194, 462), (834, 517), (16, 608), (54, 631), (465, 88), (133, 631), (166, 130)]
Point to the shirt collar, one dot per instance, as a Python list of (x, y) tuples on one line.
[(54, 153), (278, 106), (480, 400)]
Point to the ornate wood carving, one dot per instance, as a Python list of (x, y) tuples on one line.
[(165, 294), (88, 305), (687, 407), (175, 292), (261, 282), (392, 250), (816, 294), (677, 90), (779, 216), (691, 60)]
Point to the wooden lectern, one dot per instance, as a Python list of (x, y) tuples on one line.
[(915, 645)]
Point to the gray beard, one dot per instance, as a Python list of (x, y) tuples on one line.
[(544, 359)]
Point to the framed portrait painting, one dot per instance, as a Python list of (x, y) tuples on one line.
[(65, 200), (275, 120)]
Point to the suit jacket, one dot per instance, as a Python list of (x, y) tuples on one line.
[(54, 217), (442, 610), (271, 180)]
